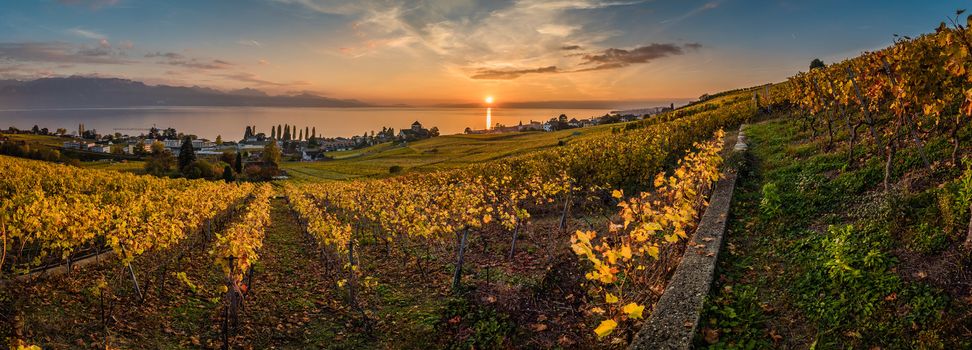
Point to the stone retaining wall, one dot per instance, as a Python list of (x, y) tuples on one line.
[(675, 319)]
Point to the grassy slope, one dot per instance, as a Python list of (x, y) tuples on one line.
[(453, 151), (449, 151), (57, 142), (49, 141), (819, 257)]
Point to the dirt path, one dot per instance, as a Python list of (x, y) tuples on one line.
[(290, 304)]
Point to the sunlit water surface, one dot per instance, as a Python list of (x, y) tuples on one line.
[(230, 122)]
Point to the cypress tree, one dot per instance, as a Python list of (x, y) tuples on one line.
[(273, 132), (187, 155), (314, 132), (239, 162)]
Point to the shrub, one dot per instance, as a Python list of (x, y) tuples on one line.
[(199, 169), (395, 169), (928, 239), (772, 204)]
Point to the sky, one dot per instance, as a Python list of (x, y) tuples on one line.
[(450, 51)]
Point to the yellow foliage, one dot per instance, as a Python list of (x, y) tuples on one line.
[(605, 328), (633, 310)]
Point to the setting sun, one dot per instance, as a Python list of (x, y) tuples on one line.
[(489, 99)]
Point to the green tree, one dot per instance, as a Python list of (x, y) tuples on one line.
[(138, 149), (228, 157), (816, 63), (199, 169), (271, 160), (228, 174), (434, 131), (160, 160), (219, 140), (187, 154)]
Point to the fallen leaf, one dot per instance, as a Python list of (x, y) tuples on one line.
[(710, 335), (605, 328)]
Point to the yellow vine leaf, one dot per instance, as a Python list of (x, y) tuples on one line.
[(633, 310), (610, 298), (626, 252), (653, 251), (605, 328)]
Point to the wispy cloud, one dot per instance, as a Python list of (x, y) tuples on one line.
[(92, 4), (87, 34), (705, 7), (249, 42), (168, 55), (199, 64), (255, 79), (511, 74), (180, 60), (489, 39), (58, 52), (611, 58), (619, 58), (561, 30)]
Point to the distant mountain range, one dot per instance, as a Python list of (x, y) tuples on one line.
[(87, 92)]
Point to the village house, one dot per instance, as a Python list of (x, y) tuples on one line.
[(416, 132), (337, 144)]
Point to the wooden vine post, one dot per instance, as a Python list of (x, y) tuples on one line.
[(516, 231), (457, 275)]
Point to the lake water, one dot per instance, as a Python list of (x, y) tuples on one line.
[(230, 122)]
